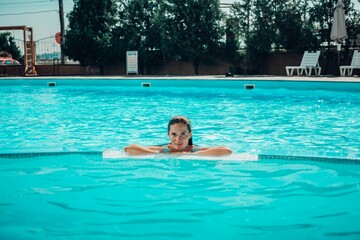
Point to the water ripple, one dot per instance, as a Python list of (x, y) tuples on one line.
[(67, 207), (107, 117)]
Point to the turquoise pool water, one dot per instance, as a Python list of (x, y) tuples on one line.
[(84, 196), (259, 121), (87, 197)]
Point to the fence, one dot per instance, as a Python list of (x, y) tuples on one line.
[(47, 49)]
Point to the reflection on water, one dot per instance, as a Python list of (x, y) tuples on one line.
[(88, 197)]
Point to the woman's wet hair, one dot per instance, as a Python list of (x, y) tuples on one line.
[(183, 120)]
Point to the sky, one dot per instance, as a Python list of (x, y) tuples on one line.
[(41, 15)]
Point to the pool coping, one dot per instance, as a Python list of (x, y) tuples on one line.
[(352, 79)]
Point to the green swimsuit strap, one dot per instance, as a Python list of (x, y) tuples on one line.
[(166, 149)]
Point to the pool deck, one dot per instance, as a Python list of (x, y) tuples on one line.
[(353, 79)]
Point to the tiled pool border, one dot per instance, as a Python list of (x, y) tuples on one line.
[(309, 158), (260, 157), (45, 154)]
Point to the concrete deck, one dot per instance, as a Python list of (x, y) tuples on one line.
[(354, 79)]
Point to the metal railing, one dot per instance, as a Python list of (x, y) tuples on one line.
[(46, 49)]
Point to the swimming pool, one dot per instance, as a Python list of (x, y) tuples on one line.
[(274, 118), (58, 185)]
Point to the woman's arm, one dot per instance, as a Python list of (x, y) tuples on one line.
[(216, 151), (136, 149)]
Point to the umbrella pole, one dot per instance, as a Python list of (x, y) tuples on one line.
[(338, 47)]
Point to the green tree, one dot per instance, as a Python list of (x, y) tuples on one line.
[(88, 37), (293, 32), (8, 45), (261, 37), (254, 21), (239, 19), (137, 29), (352, 24), (265, 26), (191, 29)]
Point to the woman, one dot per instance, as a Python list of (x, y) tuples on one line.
[(180, 134)]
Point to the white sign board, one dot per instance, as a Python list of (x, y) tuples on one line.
[(131, 62)]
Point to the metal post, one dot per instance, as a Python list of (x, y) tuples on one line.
[(338, 48), (62, 30)]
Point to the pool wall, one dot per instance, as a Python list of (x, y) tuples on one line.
[(246, 84)]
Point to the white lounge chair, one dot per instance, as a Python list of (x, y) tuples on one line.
[(355, 63), (309, 62)]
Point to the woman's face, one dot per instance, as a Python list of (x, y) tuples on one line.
[(179, 136)]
